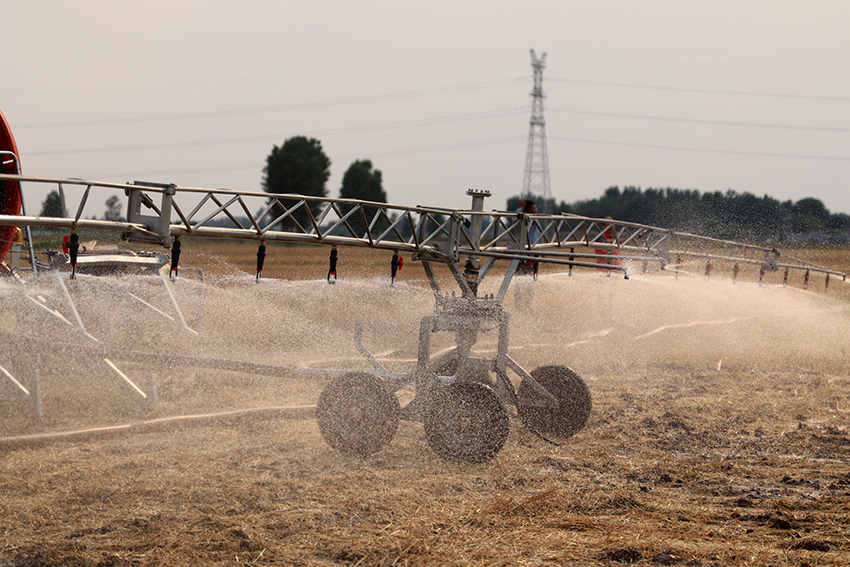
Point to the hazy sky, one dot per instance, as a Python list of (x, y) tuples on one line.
[(709, 95)]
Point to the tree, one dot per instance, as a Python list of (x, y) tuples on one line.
[(809, 215), (299, 166), (542, 203), (362, 182), (52, 205), (113, 210)]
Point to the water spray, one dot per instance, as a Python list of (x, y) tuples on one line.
[(460, 397)]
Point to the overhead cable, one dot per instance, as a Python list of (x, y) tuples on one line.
[(700, 150), (702, 90), (277, 107)]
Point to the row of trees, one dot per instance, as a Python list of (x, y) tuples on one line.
[(52, 207), (729, 215), (301, 167)]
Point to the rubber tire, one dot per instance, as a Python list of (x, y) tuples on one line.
[(466, 421), (357, 414), (573, 397)]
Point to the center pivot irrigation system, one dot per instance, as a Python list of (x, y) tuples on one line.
[(461, 399)]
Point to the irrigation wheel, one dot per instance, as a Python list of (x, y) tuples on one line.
[(466, 421), (357, 414), (539, 413)]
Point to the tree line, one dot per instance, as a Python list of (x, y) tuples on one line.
[(730, 215), (300, 166)]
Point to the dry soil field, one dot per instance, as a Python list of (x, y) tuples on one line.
[(720, 430)]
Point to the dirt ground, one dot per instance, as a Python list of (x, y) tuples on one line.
[(720, 430)]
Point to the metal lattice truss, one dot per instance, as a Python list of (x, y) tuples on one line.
[(160, 213)]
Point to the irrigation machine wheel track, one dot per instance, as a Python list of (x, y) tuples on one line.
[(357, 414), (466, 421), (539, 413)]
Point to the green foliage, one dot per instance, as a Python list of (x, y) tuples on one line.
[(730, 215), (300, 167), (361, 182), (544, 206), (52, 205), (113, 210)]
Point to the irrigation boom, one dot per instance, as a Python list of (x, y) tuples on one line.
[(460, 398), (161, 214)]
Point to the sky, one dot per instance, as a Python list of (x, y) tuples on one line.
[(710, 95)]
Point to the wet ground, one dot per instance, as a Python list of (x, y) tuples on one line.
[(720, 434)]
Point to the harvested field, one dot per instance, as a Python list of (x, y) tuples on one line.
[(720, 431)]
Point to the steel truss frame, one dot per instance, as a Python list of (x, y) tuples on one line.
[(162, 213)]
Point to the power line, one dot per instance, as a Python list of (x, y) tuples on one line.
[(452, 146), (698, 121), (265, 137), (389, 153), (278, 107), (482, 143), (703, 91), (700, 150)]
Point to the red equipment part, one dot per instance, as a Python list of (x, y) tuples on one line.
[(10, 192), (609, 236)]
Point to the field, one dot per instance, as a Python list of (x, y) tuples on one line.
[(720, 430)]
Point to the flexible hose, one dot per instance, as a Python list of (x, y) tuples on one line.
[(152, 425)]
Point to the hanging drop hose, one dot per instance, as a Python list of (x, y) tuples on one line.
[(175, 257), (333, 259), (261, 259), (395, 265), (73, 249)]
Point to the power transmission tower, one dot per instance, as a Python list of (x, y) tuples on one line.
[(536, 180)]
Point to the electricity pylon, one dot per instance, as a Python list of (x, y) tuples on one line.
[(536, 181)]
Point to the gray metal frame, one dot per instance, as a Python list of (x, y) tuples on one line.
[(161, 213)]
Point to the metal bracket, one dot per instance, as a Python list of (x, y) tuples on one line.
[(160, 224)]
